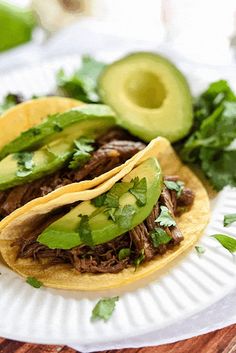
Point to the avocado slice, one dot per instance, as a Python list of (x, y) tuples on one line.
[(62, 126), (150, 96), (66, 232), (59, 148)]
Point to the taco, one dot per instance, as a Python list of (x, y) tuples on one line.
[(45, 145), (130, 226)]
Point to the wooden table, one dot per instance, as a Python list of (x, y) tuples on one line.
[(221, 341)]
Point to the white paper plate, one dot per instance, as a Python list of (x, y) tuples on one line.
[(55, 316)]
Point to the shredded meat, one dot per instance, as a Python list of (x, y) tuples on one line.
[(108, 156)]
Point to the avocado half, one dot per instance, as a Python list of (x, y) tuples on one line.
[(150, 96)]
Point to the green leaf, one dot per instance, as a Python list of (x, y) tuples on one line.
[(159, 237), (85, 231), (104, 308), (165, 219), (57, 127), (124, 216), (177, 186), (82, 84), (114, 194), (229, 219), (227, 242), (124, 253), (99, 200), (139, 190), (25, 163), (10, 100), (200, 249), (34, 282), (139, 259), (81, 153)]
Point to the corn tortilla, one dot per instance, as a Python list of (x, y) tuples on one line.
[(63, 276)]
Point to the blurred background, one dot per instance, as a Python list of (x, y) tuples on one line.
[(201, 33)]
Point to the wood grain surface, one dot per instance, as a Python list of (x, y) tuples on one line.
[(221, 341)]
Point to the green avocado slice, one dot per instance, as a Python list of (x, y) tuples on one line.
[(58, 146), (150, 96), (61, 126), (67, 232)]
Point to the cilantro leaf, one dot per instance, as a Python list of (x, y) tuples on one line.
[(114, 194), (227, 242), (34, 282), (165, 219), (124, 216), (139, 190), (159, 237), (85, 231), (83, 147), (124, 253), (25, 163), (104, 308), (82, 84), (200, 249), (177, 186), (99, 200), (139, 259), (229, 219), (209, 144)]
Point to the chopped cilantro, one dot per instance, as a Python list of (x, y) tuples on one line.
[(139, 259), (113, 195), (82, 84), (229, 219), (124, 216), (34, 282), (159, 237), (139, 190), (104, 308), (99, 200), (83, 147), (124, 253), (10, 100), (57, 127), (177, 186), (111, 214), (200, 249), (25, 163), (227, 242), (165, 219), (85, 231)]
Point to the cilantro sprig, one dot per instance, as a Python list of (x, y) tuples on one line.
[(165, 219), (83, 147), (104, 308), (25, 163), (159, 237), (177, 186), (227, 242), (229, 219)]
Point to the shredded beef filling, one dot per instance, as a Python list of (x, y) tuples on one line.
[(104, 258), (113, 149)]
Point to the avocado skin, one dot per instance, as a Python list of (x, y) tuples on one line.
[(60, 145), (102, 228), (55, 127), (173, 119)]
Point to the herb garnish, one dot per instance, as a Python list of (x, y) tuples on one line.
[(200, 249), (83, 147), (82, 85), (159, 237), (57, 127), (165, 219), (85, 231), (25, 163), (114, 194), (213, 132), (229, 219), (177, 186), (139, 190), (124, 253), (124, 216), (139, 259), (34, 282), (104, 308), (227, 242)]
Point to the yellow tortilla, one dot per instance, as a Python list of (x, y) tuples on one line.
[(28, 114), (62, 276)]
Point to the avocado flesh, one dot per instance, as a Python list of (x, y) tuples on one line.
[(149, 95), (102, 228), (59, 126), (54, 155)]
